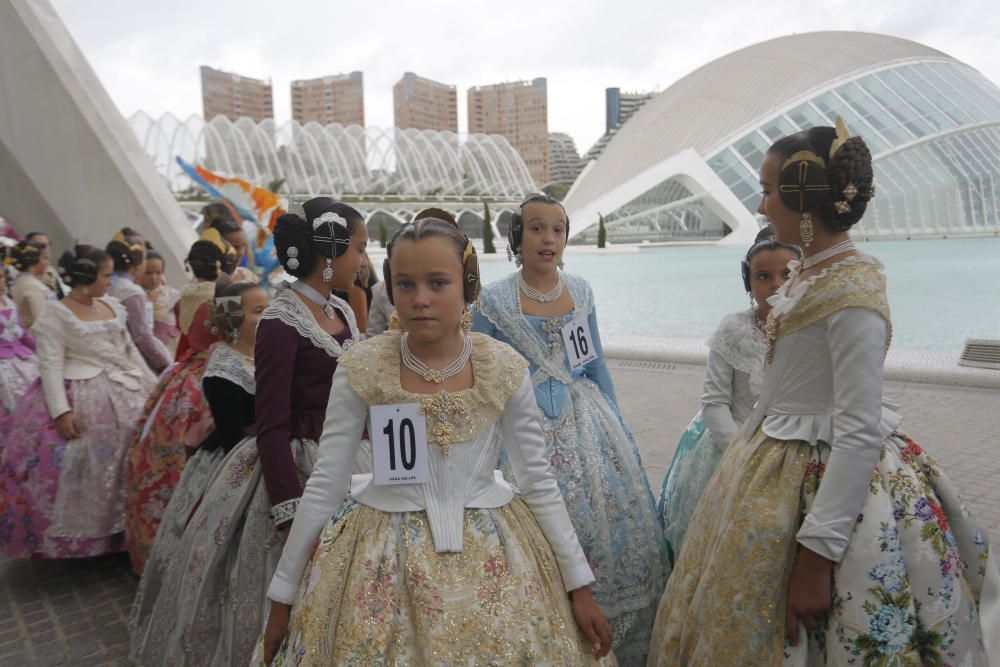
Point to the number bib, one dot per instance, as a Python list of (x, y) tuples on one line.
[(399, 444), (580, 347)]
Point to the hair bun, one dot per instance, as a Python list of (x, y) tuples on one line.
[(851, 179)]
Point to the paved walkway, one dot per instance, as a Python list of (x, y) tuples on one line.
[(74, 612)]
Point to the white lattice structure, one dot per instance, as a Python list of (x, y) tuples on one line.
[(685, 165), (336, 160)]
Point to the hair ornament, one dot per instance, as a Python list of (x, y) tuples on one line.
[(224, 300), (213, 236), (293, 253), (331, 217), (469, 250), (842, 136)]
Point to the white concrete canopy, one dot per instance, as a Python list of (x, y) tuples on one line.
[(69, 164)]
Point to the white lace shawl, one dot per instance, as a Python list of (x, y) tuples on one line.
[(289, 309), (224, 362), (742, 345)]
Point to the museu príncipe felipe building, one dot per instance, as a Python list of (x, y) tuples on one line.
[(685, 166)]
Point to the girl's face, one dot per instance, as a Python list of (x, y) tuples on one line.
[(768, 272), (254, 302), (345, 267), (152, 277), (43, 262), (544, 236), (238, 240), (105, 270), (427, 287), (784, 220)]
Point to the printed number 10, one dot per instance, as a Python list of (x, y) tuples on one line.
[(580, 345), (407, 444)]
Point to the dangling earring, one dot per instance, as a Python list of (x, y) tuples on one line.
[(561, 265), (86, 290), (517, 259), (466, 320), (395, 324), (806, 229), (510, 254), (328, 271), (234, 336)]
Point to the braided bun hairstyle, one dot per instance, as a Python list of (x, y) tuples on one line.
[(80, 265), (448, 230), (851, 164), (226, 308), (296, 230), (206, 260), (126, 254), (26, 254)]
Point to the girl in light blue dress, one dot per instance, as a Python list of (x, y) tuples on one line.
[(733, 375), (549, 317)]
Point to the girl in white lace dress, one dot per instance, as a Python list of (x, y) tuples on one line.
[(733, 375)]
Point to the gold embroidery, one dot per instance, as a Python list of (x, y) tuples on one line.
[(372, 368), (856, 282)]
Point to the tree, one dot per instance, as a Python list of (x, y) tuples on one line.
[(276, 184), (488, 247), (602, 233), (383, 235)]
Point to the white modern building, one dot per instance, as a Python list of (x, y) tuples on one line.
[(684, 168)]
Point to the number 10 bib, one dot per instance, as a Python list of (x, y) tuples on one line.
[(399, 444)]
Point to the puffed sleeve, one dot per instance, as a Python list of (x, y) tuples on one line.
[(34, 304), (152, 350), (51, 355), (597, 370), (521, 429), (275, 349), (327, 487), (717, 399), (857, 342)]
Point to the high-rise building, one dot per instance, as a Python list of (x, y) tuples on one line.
[(233, 96), (564, 160), (330, 99), (518, 111), (619, 106), (424, 104)]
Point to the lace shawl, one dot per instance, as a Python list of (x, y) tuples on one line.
[(742, 345), (291, 311), (373, 368), (500, 303), (224, 362)]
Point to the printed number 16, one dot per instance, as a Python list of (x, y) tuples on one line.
[(580, 345)]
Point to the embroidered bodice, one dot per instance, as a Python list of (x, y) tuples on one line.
[(498, 314), (72, 349), (15, 341), (734, 374), (829, 335), (464, 449)]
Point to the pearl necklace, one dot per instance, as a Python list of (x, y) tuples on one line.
[(313, 295), (92, 306), (539, 296), (432, 374), (832, 251)]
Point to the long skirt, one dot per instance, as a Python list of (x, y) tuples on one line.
[(377, 593), (16, 375), (65, 498), (604, 485), (907, 591), (211, 596), (691, 468), (158, 452)]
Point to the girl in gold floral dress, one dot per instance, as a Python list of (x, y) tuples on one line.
[(826, 536), (449, 567)]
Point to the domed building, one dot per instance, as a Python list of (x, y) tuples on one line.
[(684, 167)]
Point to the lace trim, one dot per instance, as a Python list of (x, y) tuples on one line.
[(287, 308), (10, 327), (500, 303), (78, 327), (742, 345), (284, 511), (105, 340), (373, 368), (224, 362), (855, 282)]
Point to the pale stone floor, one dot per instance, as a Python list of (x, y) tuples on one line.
[(74, 612)]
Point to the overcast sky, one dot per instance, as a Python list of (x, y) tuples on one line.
[(148, 52)]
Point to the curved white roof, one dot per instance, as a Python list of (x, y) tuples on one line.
[(726, 95)]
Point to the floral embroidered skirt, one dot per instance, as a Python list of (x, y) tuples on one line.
[(692, 466), (907, 591), (157, 454), (600, 475), (16, 375), (377, 593), (60, 498), (204, 602)]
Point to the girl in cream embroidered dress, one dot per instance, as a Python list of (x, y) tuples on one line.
[(909, 563), (454, 571)]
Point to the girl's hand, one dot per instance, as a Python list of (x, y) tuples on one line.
[(810, 593), (591, 621), (277, 626), (66, 425)]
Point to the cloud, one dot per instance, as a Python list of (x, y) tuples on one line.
[(148, 53)]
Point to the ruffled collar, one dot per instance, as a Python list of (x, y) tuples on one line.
[(291, 311), (784, 300)]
